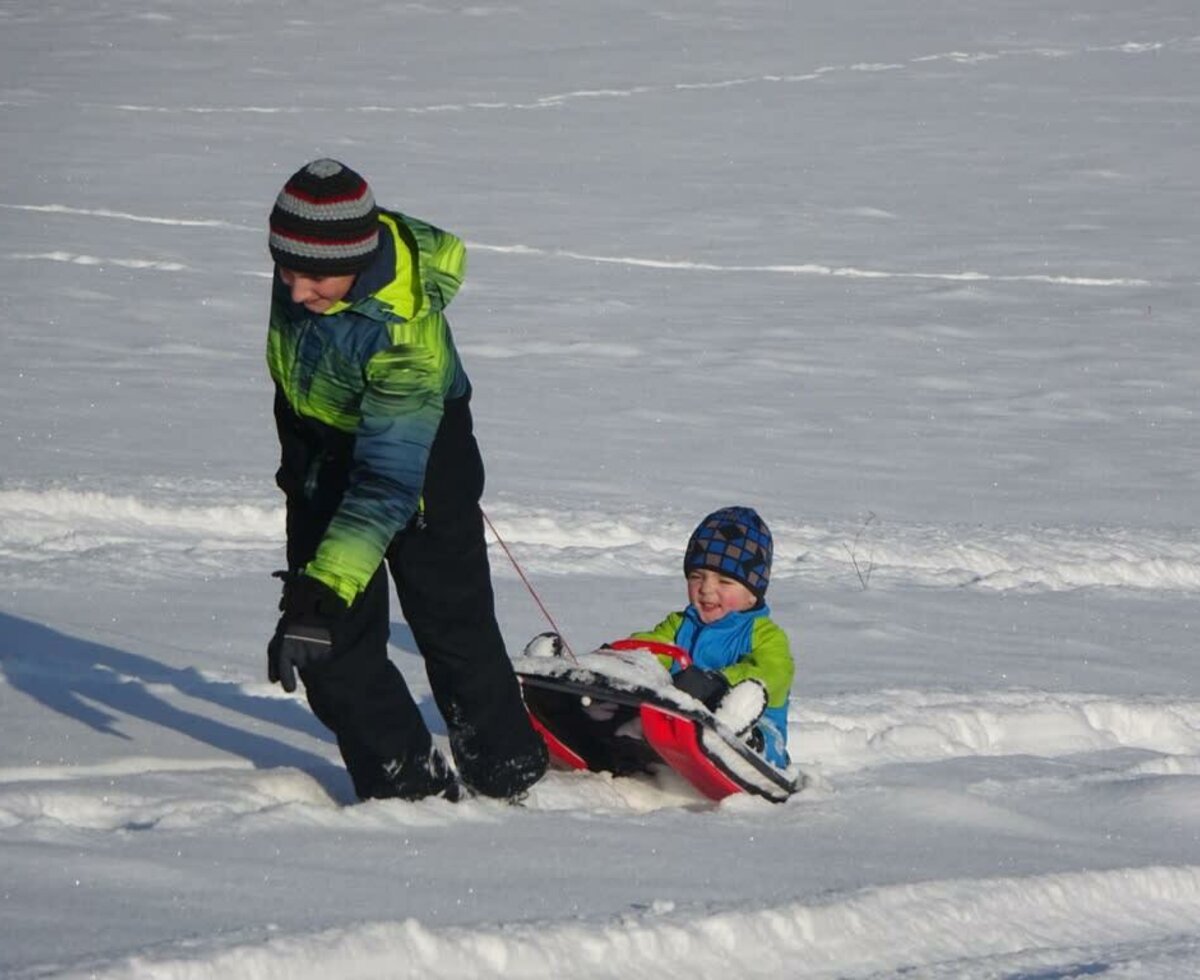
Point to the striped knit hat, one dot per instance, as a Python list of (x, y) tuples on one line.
[(324, 222), (735, 542)]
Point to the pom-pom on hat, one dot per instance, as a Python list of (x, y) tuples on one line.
[(735, 542), (324, 222)]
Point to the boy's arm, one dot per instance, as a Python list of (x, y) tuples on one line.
[(401, 409), (769, 662), (664, 632)]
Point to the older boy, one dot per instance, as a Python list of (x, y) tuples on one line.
[(380, 468)]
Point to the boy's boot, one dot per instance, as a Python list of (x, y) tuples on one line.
[(418, 777)]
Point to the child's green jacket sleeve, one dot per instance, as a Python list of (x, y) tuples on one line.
[(664, 632), (769, 662), (768, 659)]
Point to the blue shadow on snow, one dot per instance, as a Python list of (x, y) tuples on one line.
[(91, 683)]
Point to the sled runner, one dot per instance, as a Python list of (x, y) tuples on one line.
[(616, 711)]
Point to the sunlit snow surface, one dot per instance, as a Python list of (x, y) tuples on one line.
[(918, 281)]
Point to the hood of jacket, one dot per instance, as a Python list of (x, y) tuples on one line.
[(418, 270)]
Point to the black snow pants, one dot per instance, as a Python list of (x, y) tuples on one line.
[(440, 568)]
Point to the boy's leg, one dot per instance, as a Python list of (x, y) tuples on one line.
[(772, 743), (361, 697), (444, 583)]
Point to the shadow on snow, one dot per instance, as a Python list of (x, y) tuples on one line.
[(95, 684)]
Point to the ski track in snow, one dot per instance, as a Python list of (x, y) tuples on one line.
[(124, 216), (837, 741), (561, 99), (864, 731), (816, 269), (997, 927), (39, 527), (942, 927)]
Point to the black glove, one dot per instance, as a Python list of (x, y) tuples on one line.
[(306, 631), (706, 686)]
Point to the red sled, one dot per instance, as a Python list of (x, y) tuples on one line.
[(620, 714)]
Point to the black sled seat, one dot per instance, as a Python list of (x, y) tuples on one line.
[(620, 714)]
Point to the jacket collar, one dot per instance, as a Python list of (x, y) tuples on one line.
[(378, 274), (730, 621)]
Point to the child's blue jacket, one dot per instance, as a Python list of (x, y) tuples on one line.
[(742, 646)]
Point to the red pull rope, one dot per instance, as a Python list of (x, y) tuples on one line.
[(532, 591)]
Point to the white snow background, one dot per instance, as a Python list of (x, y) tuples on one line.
[(918, 280)]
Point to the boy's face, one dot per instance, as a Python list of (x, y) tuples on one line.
[(715, 595), (316, 293)]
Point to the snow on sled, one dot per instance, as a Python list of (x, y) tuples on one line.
[(617, 711)]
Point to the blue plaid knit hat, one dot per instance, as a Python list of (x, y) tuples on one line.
[(733, 541)]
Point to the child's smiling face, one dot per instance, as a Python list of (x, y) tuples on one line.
[(715, 596)]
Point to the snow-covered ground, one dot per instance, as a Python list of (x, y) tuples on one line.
[(918, 280)]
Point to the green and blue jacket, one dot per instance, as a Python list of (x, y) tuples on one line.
[(360, 392), (741, 646)]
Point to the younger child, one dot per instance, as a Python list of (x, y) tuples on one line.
[(741, 660)]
